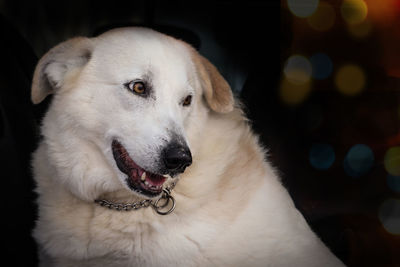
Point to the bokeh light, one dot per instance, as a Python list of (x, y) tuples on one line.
[(298, 69), (296, 85), (354, 11), (389, 215), (323, 18), (321, 66), (350, 80), (393, 182), (383, 12), (294, 93), (358, 161), (322, 156), (302, 8), (360, 30), (392, 161)]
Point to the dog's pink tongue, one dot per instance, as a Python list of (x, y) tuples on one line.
[(155, 179)]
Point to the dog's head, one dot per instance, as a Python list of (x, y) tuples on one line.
[(135, 99)]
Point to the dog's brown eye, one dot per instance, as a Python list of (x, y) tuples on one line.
[(137, 87), (187, 101)]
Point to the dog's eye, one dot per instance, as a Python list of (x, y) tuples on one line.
[(137, 87), (187, 101)]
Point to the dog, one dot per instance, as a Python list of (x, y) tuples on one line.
[(147, 159)]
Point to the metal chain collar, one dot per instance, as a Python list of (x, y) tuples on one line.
[(160, 205)]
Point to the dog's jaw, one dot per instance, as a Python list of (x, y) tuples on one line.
[(140, 181)]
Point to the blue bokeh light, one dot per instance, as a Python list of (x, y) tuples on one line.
[(321, 66), (302, 8), (358, 161), (322, 156)]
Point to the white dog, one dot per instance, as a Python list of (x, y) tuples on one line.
[(142, 126)]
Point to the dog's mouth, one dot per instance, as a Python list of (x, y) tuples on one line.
[(139, 180)]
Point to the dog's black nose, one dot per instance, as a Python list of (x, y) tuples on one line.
[(176, 158)]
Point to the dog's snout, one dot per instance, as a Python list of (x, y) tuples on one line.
[(176, 158)]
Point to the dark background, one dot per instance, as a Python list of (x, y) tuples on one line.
[(249, 41)]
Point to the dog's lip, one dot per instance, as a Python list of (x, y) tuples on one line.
[(139, 180)]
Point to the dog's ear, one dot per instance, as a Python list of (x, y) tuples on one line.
[(56, 64), (216, 89)]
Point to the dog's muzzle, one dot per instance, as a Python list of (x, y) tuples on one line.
[(173, 160)]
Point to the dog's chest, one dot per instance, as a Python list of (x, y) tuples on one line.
[(164, 242)]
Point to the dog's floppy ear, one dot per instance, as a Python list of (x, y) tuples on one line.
[(216, 89), (54, 65)]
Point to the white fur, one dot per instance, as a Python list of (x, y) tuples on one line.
[(231, 208)]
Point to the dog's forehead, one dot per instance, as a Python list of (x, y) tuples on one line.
[(141, 52)]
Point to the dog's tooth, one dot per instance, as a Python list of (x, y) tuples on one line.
[(146, 183), (143, 177)]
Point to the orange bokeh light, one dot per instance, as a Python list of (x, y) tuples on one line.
[(383, 12), (385, 16)]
